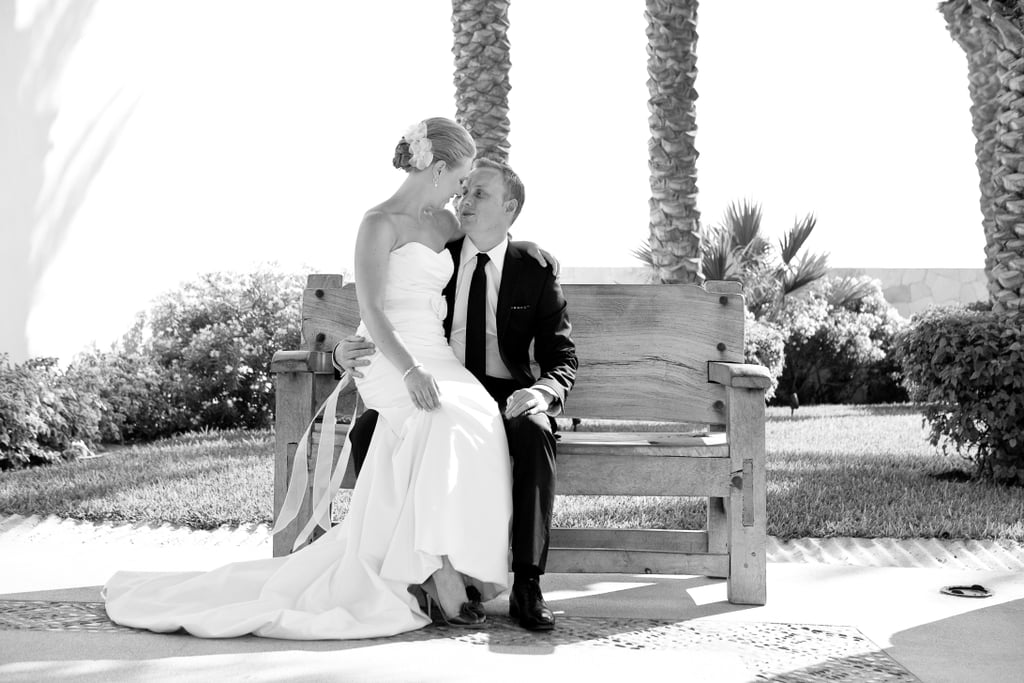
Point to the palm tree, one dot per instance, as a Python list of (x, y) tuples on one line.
[(482, 66), (991, 35), (674, 242)]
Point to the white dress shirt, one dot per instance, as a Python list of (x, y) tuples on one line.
[(467, 264)]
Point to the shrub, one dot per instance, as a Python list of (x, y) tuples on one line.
[(838, 342), (138, 397), (966, 366), (43, 413), (199, 360), (213, 340), (763, 344)]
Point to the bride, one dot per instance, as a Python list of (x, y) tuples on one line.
[(431, 508)]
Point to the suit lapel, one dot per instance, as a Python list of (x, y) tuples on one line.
[(509, 280)]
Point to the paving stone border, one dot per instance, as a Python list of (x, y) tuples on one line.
[(791, 653)]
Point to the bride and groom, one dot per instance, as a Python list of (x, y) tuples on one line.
[(457, 453)]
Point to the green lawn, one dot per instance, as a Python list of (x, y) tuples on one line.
[(864, 471)]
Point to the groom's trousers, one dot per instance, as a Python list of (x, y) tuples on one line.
[(531, 444)]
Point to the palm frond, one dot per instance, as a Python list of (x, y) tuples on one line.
[(644, 253), (718, 259), (793, 241), (848, 291), (809, 268), (743, 222)]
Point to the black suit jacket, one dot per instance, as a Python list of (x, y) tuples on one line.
[(531, 308)]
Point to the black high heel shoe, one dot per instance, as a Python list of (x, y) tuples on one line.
[(468, 615)]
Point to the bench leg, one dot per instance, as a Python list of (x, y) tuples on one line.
[(747, 509), (293, 410), (718, 528)]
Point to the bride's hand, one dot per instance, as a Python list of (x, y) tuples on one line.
[(423, 389), (542, 257)]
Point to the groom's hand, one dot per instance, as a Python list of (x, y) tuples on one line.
[(350, 352), (526, 402)]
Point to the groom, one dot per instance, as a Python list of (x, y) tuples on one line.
[(519, 302)]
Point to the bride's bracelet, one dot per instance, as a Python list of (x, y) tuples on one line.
[(415, 365)]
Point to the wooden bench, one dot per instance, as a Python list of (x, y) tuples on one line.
[(671, 353)]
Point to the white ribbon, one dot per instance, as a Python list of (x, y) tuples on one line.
[(325, 483)]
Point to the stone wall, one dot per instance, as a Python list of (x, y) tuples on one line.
[(909, 290)]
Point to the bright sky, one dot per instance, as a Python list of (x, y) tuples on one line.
[(263, 130)]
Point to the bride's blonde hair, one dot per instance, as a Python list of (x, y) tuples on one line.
[(449, 142)]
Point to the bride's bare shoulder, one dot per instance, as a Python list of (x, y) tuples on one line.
[(378, 227), (377, 217)]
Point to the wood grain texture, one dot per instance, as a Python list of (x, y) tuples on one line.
[(622, 473), (747, 541), (608, 468), (658, 540), (301, 361), (643, 349), (717, 525), (742, 375), (644, 443), (293, 411), (616, 561)]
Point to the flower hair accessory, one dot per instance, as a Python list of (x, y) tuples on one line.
[(419, 145)]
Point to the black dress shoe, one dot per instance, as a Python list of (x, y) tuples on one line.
[(526, 603)]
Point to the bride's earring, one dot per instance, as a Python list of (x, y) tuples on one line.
[(435, 181)]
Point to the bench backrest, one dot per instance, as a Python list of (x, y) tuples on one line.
[(643, 349)]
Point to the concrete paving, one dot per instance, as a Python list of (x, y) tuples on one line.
[(935, 637)]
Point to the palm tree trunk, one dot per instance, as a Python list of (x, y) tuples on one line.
[(983, 85), (991, 35), (482, 67), (672, 66)]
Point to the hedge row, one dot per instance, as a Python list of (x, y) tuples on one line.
[(199, 360)]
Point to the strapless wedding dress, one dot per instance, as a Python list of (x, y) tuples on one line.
[(434, 483)]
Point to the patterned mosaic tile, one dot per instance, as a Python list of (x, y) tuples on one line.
[(784, 653)]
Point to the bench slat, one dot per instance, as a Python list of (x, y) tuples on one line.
[(661, 540), (615, 561), (604, 467), (625, 474), (644, 443)]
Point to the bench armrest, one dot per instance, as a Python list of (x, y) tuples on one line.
[(739, 375), (317, 362)]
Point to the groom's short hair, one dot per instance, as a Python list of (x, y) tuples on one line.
[(514, 188)]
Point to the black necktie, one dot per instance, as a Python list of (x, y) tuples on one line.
[(476, 320)]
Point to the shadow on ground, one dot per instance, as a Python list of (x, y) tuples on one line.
[(988, 639)]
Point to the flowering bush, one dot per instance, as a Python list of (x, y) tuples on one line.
[(965, 364), (213, 341), (200, 359), (838, 346), (139, 398), (44, 413), (763, 344)]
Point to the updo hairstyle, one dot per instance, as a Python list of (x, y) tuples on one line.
[(449, 142)]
